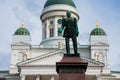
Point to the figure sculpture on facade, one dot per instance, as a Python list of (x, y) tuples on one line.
[(69, 25)]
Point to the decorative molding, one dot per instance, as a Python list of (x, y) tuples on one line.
[(21, 43)]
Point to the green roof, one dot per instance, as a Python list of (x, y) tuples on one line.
[(115, 71), (52, 2), (97, 31), (22, 31)]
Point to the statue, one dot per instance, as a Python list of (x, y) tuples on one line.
[(69, 25)]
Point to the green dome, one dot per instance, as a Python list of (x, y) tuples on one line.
[(22, 31), (98, 31), (52, 2)]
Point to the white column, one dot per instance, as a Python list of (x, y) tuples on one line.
[(55, 27), (37, 77), (47, 28), (23, 77), (51, 77)]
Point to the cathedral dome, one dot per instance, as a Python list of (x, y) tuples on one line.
[(53, 2), (98, 31), (22, 31)]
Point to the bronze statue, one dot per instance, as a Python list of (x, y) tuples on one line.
[(70, 27)]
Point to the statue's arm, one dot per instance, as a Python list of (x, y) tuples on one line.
[(62, 26)]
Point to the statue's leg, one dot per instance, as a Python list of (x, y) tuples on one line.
[(74, 39), (67, 45)]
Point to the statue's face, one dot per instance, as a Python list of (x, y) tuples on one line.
[(68, 14)]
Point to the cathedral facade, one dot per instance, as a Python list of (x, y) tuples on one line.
[(29, 62)]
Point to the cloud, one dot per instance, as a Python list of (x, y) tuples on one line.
[(11, 16), (107, 13)]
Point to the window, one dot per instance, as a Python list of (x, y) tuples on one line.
[(51, 22), (51, 32)]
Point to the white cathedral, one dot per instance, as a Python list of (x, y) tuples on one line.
[(29, 62)]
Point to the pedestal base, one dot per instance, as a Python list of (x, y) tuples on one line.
[(71, 67)]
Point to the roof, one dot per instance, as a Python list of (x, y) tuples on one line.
[(98, 31), (3, 74), (115, 72), (53, 2), (5, 71)]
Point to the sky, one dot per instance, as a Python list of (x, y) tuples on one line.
[(105, 11)]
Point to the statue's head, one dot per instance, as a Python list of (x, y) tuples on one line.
[(68, 13)]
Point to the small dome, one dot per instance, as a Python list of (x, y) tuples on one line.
[(22, 31), (97, 31), (52, 2)]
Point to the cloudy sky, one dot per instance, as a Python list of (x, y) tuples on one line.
[(105, 11)]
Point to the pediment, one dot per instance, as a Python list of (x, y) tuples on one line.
[(46, 59), (52, 58), (93, 63)]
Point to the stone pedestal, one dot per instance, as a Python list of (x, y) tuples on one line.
[(71, 67)]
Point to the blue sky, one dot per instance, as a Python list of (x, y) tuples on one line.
[(106, 11)]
